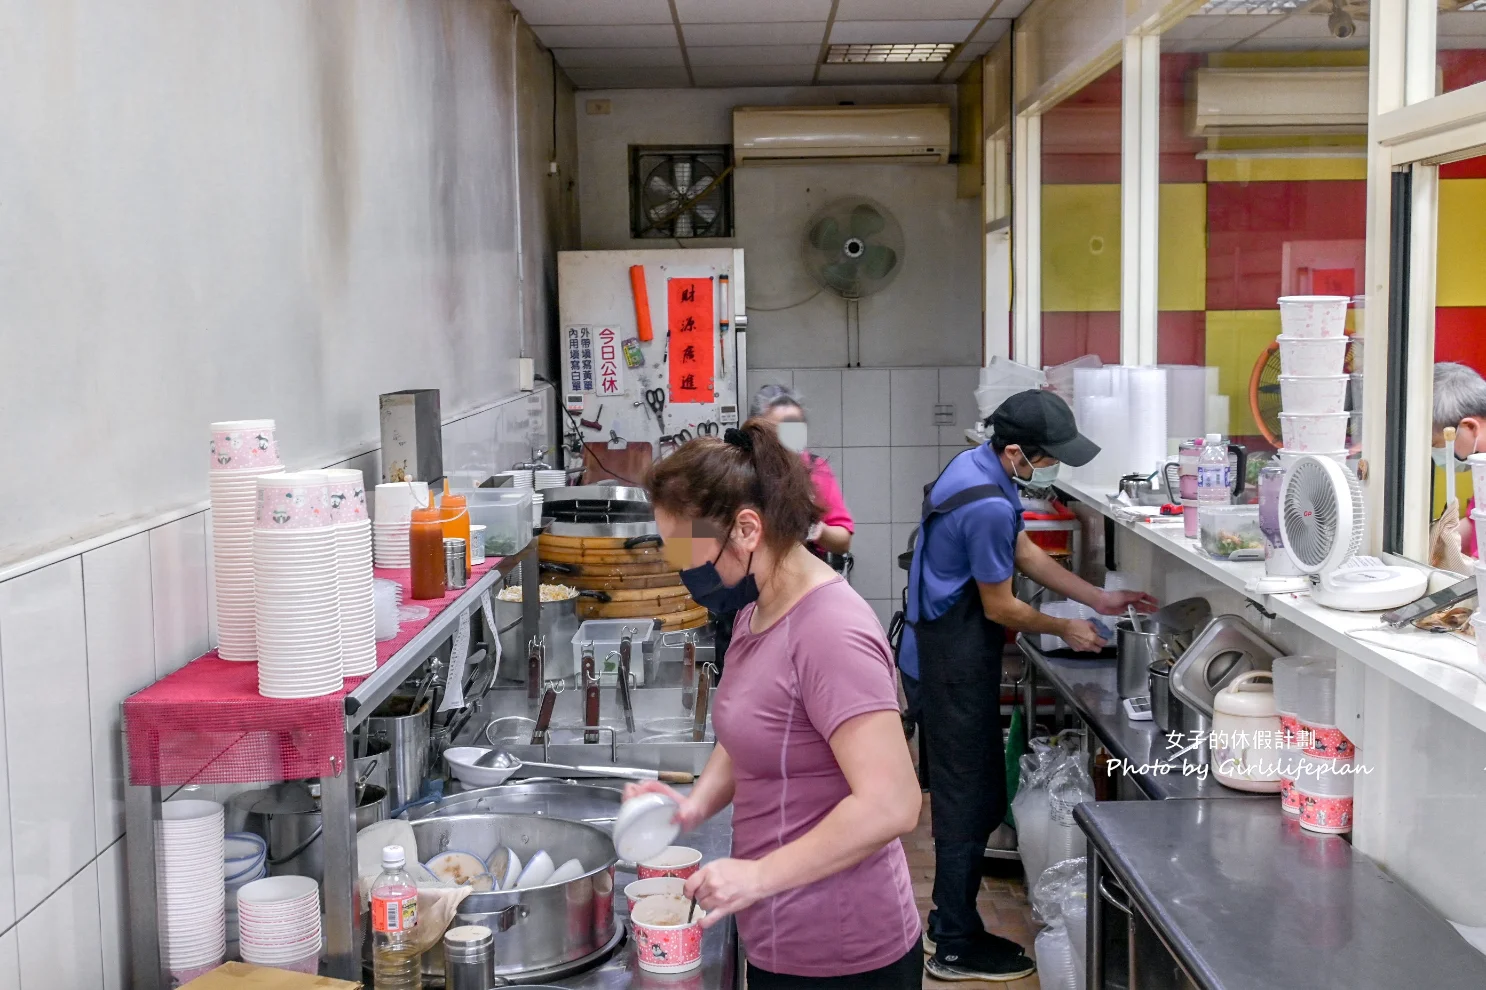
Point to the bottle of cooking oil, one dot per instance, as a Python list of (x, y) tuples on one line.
[(394, 906)]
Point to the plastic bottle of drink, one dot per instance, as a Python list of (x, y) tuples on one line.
[(394, 907), (1214, 487)]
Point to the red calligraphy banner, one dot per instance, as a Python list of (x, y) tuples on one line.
[(691, 319)]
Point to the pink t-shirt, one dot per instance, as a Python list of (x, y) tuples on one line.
[(828, 493), (785, 692)]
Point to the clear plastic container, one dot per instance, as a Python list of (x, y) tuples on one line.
[(1067, 610), (506, 516), (605, 635), (1226, 530)]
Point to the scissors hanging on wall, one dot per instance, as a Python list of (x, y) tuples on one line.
[(655, 398)]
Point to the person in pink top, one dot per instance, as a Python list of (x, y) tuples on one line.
[(810, 750), (780, 406)]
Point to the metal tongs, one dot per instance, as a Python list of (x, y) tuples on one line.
[(705, 678), (622, 682)]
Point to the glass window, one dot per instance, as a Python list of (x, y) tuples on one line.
[(1252, 210), (1081, 224), (1460, 40)]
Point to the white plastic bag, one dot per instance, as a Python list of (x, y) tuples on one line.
[(1058, 901), (1069, 786), (1055, 966), (1052, 782), (1075, 921)]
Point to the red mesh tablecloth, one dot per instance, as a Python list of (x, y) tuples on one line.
[(207, 724)]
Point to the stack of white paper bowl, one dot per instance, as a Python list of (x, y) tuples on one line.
[(1313, 379), (189, 882), (279, 923), (296, 589), (537, 500), (353, 542), (247, 860), (395, 502), (241, 452), (550, 479)]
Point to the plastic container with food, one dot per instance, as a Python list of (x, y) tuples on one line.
[(1226, 530), (506, 516)]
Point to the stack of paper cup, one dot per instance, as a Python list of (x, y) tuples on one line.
[(279, 923), (1286, 672), (395, 502), (353, 542), (537, 500), (1313, 379), (189, 882), (247, 860), (296, 591), (241, 452)]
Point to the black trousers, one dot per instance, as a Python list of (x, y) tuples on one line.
[(905, 974), (960, 691)]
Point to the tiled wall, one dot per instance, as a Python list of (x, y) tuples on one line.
[(77, 637), (876, 427)]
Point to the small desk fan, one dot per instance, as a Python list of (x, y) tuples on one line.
[(1321, 517)]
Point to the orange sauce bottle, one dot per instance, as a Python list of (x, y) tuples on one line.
[(426, 550), (456, 517)]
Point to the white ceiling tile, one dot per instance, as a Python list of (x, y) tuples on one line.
[(615, 77), (991, 31), (749, 11), (1011, 8), (881, 72), (773, 33), (594, 11), (621, 58), (898, 10), (1300, 32), (1231, 27), (1461, 23), (753, 54), (607, 35), (974, 50), (751, 75), (900, 32)]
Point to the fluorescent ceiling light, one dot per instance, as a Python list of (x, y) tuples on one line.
[(890, 53)]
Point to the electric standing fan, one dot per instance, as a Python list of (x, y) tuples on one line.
[(1264, 393), (1321, 517)]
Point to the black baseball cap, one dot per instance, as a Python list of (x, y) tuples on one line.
[(1042, 421)]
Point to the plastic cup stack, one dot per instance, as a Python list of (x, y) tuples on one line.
[(1323, 786), (1286, 672), (537, 500), (395, 502), (353, 542), (1313, 379), (242, 451), (296, 588), (388, 599), (279, 923), (189, 882)]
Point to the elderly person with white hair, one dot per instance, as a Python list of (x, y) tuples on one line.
[(784, 408), (1459, 403)]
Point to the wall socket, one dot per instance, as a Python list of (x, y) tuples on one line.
[(599, 108), (526, 371)]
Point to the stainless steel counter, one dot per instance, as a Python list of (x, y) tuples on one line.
[(1242, 897), (1091, 688)]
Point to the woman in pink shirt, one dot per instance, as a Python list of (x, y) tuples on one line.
[(780, 405), (810, 750)]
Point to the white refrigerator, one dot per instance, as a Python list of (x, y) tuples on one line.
[(687, 379)]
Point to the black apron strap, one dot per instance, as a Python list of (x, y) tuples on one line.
[(964, 496)]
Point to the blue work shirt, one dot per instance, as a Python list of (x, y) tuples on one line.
[(975, 541)]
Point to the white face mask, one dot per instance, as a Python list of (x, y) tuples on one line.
[(1444, 457), (792, 435), (1042, 477)]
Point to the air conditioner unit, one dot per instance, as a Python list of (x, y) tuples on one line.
[(909, 134), (1279, 102)]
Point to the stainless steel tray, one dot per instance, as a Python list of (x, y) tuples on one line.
[(1226, 647)]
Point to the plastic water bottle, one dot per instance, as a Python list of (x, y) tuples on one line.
[(394, 907), (1214, 487)]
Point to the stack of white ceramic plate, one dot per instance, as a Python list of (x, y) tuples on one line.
[(241, 452), (189, 875), (394, 505), (353, 542), (247, 860), (520, 477), (550, 479), (279, 923), (296, 589)]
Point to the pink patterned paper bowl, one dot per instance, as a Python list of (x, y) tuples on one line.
[(244, 443), (677, 861), (293, 501), (664, 942), (636, 892)]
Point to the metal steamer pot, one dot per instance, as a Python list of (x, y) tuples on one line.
[(287, 817), (557, 626), (539, 931)]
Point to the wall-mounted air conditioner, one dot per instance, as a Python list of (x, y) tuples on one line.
[(1263, 102), (909, 134)]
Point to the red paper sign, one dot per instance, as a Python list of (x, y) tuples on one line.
[(691, 318)]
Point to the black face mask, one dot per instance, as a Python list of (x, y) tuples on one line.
[(707, 590)]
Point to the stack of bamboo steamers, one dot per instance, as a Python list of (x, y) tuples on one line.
[(603, 539)]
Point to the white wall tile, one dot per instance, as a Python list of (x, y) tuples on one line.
[(820, 390), (757, 379), (864, 483), (833, 456), (871, 546), (113, 917), (48, 742), (901, 532), (914, 394), (957, 387), (178, 577), (864, 408), (947, 454), (121, 660), (884, 610), (60, 942), (912, 468), (10, 961)]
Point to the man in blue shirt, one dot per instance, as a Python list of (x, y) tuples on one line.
[(970, 542)]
